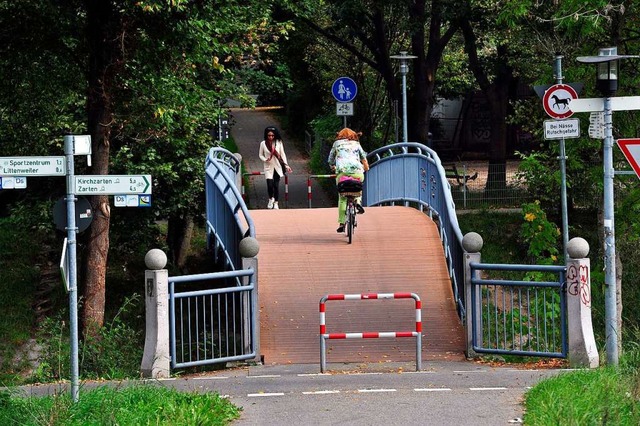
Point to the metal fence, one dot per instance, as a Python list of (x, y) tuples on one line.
[(211, 318), (519, 317)]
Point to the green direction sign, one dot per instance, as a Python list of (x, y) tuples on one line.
[(112, 184), (33, 166)]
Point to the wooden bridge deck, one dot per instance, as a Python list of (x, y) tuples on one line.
[(395, 249)]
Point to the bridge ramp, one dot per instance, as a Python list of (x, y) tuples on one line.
[(395, 249)]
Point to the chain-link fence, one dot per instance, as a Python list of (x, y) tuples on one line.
[(476, 184)]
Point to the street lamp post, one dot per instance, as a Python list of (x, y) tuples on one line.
[(607, 82), (404, 70)]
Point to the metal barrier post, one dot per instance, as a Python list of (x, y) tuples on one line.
[(309, 184), (370, 335), (248, 174), (286, 190)]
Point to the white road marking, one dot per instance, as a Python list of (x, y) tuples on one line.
[(252, 395), (375, 390), (432, 389), (324, 392), (265, 376), (483, 389), (210, 378)]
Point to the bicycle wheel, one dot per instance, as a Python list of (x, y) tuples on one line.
[(351, 218)]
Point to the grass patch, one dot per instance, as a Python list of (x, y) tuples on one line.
[(135, 405), (604, 396)]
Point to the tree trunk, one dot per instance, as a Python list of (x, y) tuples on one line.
[(101, 30), (179, 233), (498, 98), (426, 65), (497, 93)]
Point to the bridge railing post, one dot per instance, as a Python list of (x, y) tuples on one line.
[(582, 346), (249, 248), (472, 244), (156, 360)]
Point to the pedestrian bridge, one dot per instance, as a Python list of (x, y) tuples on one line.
[(285, 278), (395, 249), (408, 241)]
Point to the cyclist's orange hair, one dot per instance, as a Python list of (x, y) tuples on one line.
[(349, 134)]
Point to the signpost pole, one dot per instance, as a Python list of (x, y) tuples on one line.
[(611, 309), (73, 279), (563, 174)]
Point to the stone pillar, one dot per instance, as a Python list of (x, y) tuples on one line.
[(582, 345), (472, 244), (249, 248), (156, 360)]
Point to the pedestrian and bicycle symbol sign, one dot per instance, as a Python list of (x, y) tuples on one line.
[(556, 100), (344, 89)]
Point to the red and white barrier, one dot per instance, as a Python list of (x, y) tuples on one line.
[(309, 184), (370, 335), (250, 174)]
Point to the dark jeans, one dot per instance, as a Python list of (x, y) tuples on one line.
[(273, 186)]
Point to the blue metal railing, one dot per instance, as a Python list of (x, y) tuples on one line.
[(215, 324), (212, 317), (519, 317), (411, 174), (228, 219)]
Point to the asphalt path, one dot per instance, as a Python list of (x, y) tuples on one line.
[(442, 393)]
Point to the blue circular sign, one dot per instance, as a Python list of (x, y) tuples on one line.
[(344, 89)]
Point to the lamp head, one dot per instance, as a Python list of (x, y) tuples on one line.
[(607, 77), (404, 61), (607, 66)]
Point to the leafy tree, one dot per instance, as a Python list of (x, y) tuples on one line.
[(370, 31), (146, 79)]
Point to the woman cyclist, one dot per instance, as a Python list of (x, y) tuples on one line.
[(348, 160)]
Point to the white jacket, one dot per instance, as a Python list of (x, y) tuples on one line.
[(271, 163)]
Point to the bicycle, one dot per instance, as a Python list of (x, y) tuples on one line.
[(350, 189)]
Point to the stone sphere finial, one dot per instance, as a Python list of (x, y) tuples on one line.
[(155, 259), (249, 247), (472, 242), (578, 248)]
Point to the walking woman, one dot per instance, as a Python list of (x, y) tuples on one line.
[(275, 163)]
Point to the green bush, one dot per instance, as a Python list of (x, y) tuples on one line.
[(114, 353)]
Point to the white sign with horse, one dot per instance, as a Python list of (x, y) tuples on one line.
[(556, 100)]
